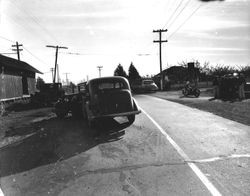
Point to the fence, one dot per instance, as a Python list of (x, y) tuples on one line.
[(6, 102)]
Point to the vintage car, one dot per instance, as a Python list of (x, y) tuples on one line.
[(109, 97), (143, 86), (149, 85)]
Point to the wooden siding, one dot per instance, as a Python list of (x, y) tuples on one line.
[(31, 85), (10, 86)]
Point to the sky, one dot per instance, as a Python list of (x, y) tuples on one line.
[(111, 32)]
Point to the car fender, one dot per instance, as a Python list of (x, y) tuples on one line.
[(135, 105)]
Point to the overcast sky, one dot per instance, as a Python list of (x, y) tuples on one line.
[(108, 32)]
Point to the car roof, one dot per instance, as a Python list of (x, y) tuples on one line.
[(111, 78)]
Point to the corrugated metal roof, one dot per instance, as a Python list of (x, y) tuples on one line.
[(10, 62)]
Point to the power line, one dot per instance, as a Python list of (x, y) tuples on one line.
[(34, 55), (101, 54), (36, 21), (179, 14), (23, 48), (171, 35), (6, 39), (138, 52), (172, 15), (29, 30), (7, 53)]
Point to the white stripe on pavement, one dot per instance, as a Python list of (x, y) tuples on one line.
[(1, 192), (213, 159), (195, 169)]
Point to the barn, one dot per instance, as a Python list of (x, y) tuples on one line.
[(17, 78)]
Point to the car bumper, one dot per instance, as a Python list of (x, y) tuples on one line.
[(117, 114)]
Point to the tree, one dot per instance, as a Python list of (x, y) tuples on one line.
[(119, 71), (221, 70), (245, 70), (183, 63), (133, 73), (39, 83)]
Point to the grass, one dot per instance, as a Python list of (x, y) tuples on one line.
[(238, 111)]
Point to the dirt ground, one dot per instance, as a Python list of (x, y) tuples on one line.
[(33, 138), (15, 126), (236, 110)]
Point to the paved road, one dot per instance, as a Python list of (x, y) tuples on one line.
[(170, 150), (219, 147)]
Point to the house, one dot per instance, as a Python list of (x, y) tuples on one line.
[(17, 78), (173, 75)]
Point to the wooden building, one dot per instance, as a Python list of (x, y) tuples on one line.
[(17, 78)]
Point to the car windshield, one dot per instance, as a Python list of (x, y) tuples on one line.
[(110, 85)]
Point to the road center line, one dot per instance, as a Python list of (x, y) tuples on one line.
[(212, 189)]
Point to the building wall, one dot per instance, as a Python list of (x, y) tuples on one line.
[(31, 85), (10, 86)]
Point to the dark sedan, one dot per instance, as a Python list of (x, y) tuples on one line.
[(109, 97)]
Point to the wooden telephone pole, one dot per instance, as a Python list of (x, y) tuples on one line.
[(100, 69), (67, 79), (56, 65), (160, 41), (17, 49), (52, 72)]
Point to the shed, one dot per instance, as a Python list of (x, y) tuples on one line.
[(17, 78)]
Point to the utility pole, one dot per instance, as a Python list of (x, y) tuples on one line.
[(17, 49), (67, 80), (52, 71), (56, 65), (100, 69), (58, 76), (160, 41)]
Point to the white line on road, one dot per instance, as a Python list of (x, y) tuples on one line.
[(1, 192), (195, 169), (213, 159)]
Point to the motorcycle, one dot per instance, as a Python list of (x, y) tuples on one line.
[(191, 91)]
